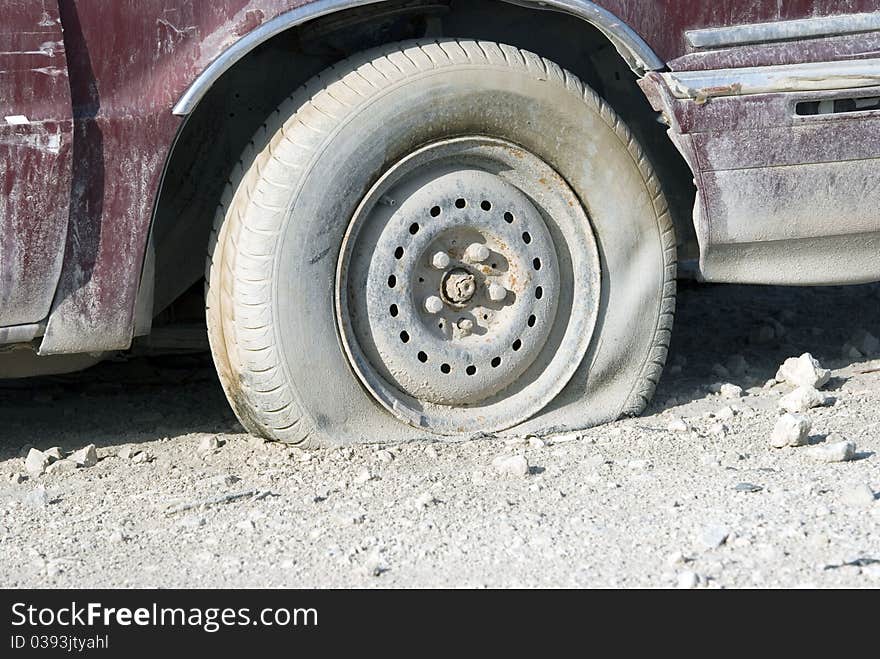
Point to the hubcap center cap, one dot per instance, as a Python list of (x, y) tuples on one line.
[(459, 287)]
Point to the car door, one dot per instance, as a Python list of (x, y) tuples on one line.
[(36, 155)]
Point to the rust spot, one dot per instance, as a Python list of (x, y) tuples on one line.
[(252, 20)]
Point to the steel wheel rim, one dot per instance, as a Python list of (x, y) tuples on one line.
[(467, 286)]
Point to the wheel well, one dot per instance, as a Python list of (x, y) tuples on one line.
[(217, 131)]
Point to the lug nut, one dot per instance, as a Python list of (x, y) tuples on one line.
[(434, 305), (477, 253), (497, 292), (441, 260)]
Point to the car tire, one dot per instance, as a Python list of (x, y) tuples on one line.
[(552, 247)]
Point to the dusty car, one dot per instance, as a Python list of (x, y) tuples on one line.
[(444, 217)]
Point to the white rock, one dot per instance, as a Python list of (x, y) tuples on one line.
[(36, 462), (431, 452), (384, 456), (791, 430), (725, 413), (209, 444), (515, 465), (38, 497), (127, 452), (769, 384), (803, 399), (719, 429), (803, 371), (678, 425), (687, 580), (834, 452), (363, 476), (54, 453), (729, 390), (536, 442), (61, 467), (858, 496), (85, 457), (713, 537), (15, 478), (142, 457)]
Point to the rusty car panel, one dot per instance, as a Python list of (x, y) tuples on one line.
[(35, 160)]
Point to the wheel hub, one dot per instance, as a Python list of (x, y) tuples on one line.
[(449, 289)]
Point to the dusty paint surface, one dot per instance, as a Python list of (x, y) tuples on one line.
[(88, 192), (35, 152)]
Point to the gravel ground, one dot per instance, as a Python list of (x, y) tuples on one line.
[(690, 495)]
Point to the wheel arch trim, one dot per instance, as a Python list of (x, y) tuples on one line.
[(631, 46)]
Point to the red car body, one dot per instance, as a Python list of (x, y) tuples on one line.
[(769, 103)]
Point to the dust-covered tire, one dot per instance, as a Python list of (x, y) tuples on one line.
[(271, 271)]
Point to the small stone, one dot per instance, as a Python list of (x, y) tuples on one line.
[(803, 371), (719, 429), (38, 497), (85, 457), (726, 413), (363, 476), (729, 390), (791, 430), (803, 399), (687, 580), (384, 456), (142, 457), (61, 467), (54, 453), (16, 477), (209, 444), (713, 537), (117, 536), (36, 462), (858, 496), (639, 465), (841, 451), (127, 452), (678, 425), (536, 443), (431, 452), (748, 487), (515, 465)]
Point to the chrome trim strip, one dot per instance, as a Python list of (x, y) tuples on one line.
[(638, 54), (21, 333), (822, 76), (740, 35)]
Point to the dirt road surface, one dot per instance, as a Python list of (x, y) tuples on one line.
[(181, 497)]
